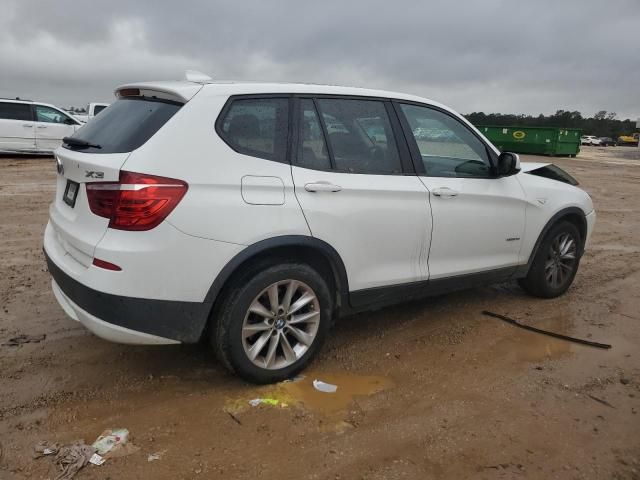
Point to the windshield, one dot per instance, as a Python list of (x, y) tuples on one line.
[(124, 126)]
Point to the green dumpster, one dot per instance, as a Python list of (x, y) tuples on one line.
[(535, 140)]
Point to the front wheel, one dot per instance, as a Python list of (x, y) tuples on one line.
[(556, 263), (272, 322)]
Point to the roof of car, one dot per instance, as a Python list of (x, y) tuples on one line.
[(16, 100), (187, 90), (30, 102)]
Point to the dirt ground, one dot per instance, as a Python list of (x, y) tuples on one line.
[(432, 389)]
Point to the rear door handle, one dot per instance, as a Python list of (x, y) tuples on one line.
[(322, 187), (42, 126), (444, 192), (27, 125)]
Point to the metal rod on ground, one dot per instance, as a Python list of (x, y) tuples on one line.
[(545, 332)]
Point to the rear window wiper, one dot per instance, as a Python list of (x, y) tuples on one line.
[(76, 142)]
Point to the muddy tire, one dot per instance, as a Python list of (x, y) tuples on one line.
[(556, 262), (272, 321)]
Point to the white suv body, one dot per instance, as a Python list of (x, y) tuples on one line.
[(33, 127), (263, 211)]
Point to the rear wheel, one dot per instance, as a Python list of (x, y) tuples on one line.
[(272, 322), (556, 262)]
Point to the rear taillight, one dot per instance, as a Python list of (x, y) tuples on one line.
[(137, 201)]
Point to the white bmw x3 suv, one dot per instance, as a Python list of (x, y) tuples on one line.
[(254, 214)]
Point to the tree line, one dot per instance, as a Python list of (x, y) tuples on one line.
[(602, 124)]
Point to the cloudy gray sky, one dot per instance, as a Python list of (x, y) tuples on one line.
[(507, 56)]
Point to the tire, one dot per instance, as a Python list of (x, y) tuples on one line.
[(282, 344), (541, 281)]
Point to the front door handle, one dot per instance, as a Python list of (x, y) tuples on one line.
[(322, 187), (28, 125), (444, 192)]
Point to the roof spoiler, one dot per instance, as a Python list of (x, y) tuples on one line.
[(196, 77)]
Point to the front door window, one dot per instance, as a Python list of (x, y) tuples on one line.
[(50, 115), (447, 147)]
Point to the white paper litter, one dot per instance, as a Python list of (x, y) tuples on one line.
[(97, 459), (109, 439), (324, 387), (152, 457), (49, 451)]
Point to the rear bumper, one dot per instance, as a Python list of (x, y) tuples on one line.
[(128, 319), (106, 330)]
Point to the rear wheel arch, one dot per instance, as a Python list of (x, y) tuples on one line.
[(311, 251)]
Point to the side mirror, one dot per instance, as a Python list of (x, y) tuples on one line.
[(508, 164)]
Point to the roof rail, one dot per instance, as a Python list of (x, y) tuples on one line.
[(16, 98)]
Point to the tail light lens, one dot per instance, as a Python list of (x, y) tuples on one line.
[(137, 202)]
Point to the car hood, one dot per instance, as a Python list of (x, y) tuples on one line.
[(528, 166), (547, 170)]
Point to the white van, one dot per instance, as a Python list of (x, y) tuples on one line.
[(31, 127)]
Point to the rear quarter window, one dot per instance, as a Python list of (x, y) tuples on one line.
[(126, 125), (257, 127)]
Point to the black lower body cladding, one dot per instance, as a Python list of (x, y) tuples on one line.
[(180, 321)]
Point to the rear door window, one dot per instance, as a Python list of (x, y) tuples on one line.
[(257, 127), (312, 148), (126, 125), (360, 136), (15, 111)]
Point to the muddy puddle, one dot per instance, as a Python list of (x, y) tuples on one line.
[(301, 393), (527, 347)]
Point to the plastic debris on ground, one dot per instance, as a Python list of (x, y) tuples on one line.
[(114, 443), (45, 448), (109, 439), (72, 458), (324, 387), (22, 339), (97, 459), (274, 402), (152, 457)]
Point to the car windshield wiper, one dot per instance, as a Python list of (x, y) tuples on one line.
[(76, 142)]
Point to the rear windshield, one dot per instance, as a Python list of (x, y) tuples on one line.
[(124, 126)]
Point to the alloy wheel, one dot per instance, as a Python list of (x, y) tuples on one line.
[(561, 260), (281, 324)]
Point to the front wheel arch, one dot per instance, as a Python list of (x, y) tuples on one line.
[(572, 215)]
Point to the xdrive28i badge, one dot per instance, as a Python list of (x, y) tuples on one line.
[(59, 166)]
